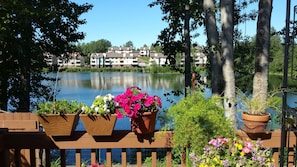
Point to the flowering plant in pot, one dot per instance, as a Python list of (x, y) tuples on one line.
[(228, 152), (99, 119), (139, 106), (60, 117)]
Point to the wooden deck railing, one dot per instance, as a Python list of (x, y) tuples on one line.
[(25, 144), (20, 147)]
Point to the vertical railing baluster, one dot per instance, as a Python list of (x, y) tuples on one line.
[(93, 156), (154, 157), (139, 157), (124, 157), (47, 157), (108, 157), (168, 157), (78, 157), (32, 157), (63, 157), (17, 157)]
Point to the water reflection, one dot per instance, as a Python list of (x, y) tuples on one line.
[(111, 80)]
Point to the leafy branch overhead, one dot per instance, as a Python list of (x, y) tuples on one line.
[(28, 30)]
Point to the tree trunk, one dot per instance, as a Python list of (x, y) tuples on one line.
[(227, 9), (260, 81), (217, 82), (25, 76)]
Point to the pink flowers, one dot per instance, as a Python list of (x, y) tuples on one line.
[(233, 152), (134, 101)]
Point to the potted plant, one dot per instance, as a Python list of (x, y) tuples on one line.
[(140, 107), (233, 152), (59, 118), (99, 119), (254, 115)]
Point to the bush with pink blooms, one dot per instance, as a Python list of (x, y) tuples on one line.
[(223, 152), (133, 102)]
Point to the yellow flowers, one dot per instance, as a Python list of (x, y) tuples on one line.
[(238, 146), (233, 152)]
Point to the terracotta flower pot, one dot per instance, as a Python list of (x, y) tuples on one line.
[(99, 125), (255, 123), (144, 124)]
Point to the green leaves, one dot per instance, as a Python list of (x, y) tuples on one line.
[(59, 107), (197, 119)]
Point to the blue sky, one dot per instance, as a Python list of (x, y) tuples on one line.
[(119, 21)]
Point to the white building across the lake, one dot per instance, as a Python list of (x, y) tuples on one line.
[(119, 57)]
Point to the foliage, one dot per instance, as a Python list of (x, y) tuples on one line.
[(244, 63), (101, 105), (56, 163), (100, 46), (196, 119), (257, 106), (29, 29), (133, 102), (224, 152), (128, 44), (59, 107)]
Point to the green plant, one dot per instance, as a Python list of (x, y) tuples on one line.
[(56, 163), (228, 152), (59, 107), (195, 120), (101, 105), (256, 106)]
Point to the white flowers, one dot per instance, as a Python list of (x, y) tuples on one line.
[(102, 105)]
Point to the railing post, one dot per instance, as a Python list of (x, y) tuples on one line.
[(77, 157), (63, 157), (154, 157), (3, 152), (93, 156), (168, 157), (139, 157), (108, 157), (124, 157)]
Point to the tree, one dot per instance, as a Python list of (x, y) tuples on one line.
[(217, 81), (244, 58), (100, 46), (28, 30), (128, 44), (227, 10), (260, 81)]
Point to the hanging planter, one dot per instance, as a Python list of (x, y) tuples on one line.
[(99, 124)]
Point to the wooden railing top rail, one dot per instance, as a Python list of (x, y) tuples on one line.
[(82, 140)]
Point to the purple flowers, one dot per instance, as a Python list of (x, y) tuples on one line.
[(134, 101), (233, 152)]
